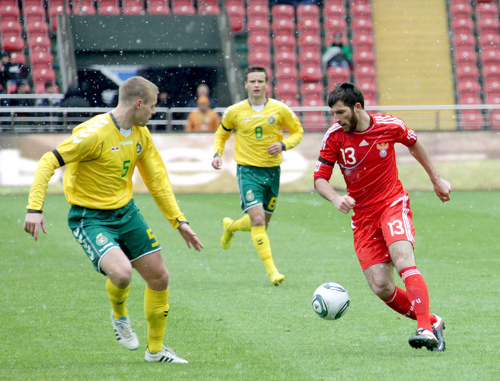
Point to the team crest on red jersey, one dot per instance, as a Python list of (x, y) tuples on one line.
[(383, 149)]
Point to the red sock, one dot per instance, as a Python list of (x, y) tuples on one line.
[(399, 302), (418, 295)]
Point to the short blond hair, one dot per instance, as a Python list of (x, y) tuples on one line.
[(136, 88)]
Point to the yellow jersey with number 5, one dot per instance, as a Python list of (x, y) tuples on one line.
[(257, 130), (101, 160)]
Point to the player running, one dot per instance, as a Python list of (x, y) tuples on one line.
[(258, 122), (101, 156), (363, 147)]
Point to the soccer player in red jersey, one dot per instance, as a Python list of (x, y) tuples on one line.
[(363, 147)]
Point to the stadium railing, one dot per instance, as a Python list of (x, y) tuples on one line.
[(30, 120)]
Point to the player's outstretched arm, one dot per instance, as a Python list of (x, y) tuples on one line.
[(441, 186), (32, 224), (190, 237)]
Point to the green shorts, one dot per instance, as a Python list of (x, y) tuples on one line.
[(258, 186), (98, 231)]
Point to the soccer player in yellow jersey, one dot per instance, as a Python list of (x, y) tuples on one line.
[(100, 158), (258, 122)]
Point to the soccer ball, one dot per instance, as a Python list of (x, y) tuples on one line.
[(330, 301)]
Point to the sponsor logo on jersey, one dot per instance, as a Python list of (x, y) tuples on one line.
[(363, 143), (138, 148), (250, 196), (383, 149), (247, 119), (127, 143), (271, 119), (114, 149), (101, 240)]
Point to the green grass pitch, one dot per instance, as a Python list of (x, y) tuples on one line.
[(229, 321)]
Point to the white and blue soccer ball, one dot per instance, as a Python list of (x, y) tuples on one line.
[(330, 301)]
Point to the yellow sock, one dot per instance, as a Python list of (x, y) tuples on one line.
[(261, 243), (156, 311), (117, 297), (243, 224)]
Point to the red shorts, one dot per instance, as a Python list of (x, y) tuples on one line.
[(374, 231)]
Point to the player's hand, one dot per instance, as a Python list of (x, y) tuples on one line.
[(442, 189), (190, 237), (217, 163), (32, 224), (344, 203), (275, 149)]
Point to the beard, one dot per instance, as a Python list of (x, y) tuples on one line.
[(351, 125)]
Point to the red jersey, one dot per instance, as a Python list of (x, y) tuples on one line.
[(367, 160)]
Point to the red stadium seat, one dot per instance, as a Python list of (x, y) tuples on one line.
[(334, 11), (488, 24), (84, 7), (338, 74), (490, 55), (311, 25), (312, 89), (14, 27), (283, 27), (364, 58), (467, 71), (290, 101), (308, 10), (208, 7), (12, 42), (18, 57), (465, 56), (363, 42), (109, 9), (34, 11), (258, 11), (361, 10), (40, 27), (493, 96), (309, 57), (286, 72), (183, 9), (236, 14), (311, 73), (41, 57), (259, 41), (284, 43), (489, 9), (461, 10), (9, 12), (489, 39), (310, 40), (368, 88), (286, 88), (39, 41), (334, 25), (285, 58), (464, 39), (133, 7), (259, 57), (46, 74), (158, 7), (462, 25), (468, 86), (364, 24), (285, 11), (468, 99), (364, 72), (471, 120), (258, 25)]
